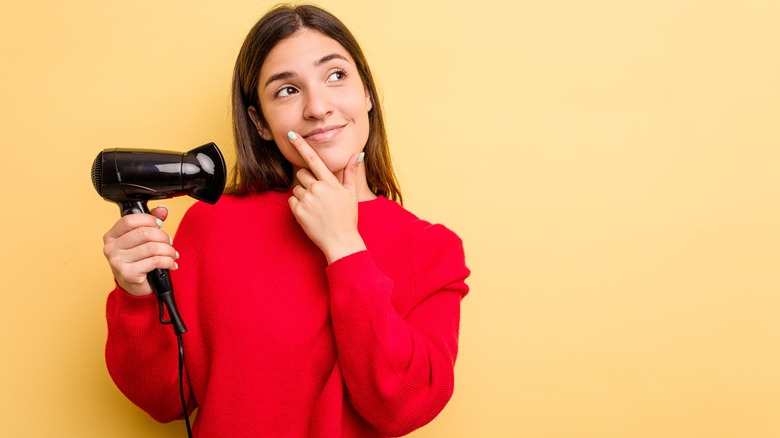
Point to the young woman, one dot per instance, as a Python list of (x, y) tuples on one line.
[(316, 305)]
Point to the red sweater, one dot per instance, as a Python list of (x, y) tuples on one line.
[(280, 344)]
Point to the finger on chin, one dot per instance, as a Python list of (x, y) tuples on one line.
[(310, 157)]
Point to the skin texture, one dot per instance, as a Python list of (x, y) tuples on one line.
[(315, 108), (310, 84), (325, 207), (136, 245)]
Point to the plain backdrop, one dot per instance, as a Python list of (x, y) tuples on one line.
[(611, 165)]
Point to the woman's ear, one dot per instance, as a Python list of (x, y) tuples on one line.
[(262, 129), (369, 101)]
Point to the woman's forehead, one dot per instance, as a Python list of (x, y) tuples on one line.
[(305, 47)]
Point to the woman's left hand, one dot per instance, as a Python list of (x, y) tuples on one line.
[(325, 207)]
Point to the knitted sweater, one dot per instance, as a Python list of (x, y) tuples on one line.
[(279, 343)]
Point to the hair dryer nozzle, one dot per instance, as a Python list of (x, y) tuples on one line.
[(97, 173), (212, 173)]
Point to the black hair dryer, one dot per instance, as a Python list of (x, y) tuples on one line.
[(131, 177)]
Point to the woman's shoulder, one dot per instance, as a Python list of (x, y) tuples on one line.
[(394, 221), (432, 250)]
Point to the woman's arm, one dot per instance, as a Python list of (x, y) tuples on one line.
[(398, 368), (141, 355)]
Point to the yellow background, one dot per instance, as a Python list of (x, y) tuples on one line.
[(612, 167)]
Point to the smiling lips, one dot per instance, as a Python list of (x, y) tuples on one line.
[(323, 134)]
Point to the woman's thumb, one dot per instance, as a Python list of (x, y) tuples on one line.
[(160, 212), (351, 171)]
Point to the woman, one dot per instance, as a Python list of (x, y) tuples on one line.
[(316, 305)]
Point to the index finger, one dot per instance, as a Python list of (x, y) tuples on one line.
[(131, 222), (316, 165)]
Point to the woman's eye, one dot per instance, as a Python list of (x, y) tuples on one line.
[(336, 76), (286, 91)]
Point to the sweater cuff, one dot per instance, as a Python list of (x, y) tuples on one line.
[(125, 307), (347, 260), (351, 278), (356, 267)]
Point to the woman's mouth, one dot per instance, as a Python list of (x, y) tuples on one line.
[(322, 135)]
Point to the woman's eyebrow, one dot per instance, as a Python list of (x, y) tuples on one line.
[(289, 74), (327, 58), (278, 76)]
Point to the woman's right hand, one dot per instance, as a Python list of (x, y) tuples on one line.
[(136, 245)]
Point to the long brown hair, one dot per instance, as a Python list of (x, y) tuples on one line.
[(260, 166)]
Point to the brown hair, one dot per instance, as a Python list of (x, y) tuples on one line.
[(260, 166)]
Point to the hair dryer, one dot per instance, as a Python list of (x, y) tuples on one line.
[(131, 177)]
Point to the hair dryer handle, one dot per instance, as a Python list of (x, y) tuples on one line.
[(131, 207), (160, 280)]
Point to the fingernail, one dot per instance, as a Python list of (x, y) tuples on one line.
[(159, 223), (175, 266), (361, 156), (177, 255), (162, 206), (170, 240), (291, 135)]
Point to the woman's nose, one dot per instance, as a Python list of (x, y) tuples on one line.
[(317, 104)]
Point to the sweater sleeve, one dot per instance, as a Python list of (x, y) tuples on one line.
[(398, 368), (141, 355)]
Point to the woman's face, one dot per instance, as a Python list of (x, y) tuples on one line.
[(310, 84)]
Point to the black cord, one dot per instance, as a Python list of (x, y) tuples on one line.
[(181, 370), (181, 386)]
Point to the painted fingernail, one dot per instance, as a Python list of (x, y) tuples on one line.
[(361, 156), (291, 135), (170, 240), (159, 223), (177, 255), (175, 266)]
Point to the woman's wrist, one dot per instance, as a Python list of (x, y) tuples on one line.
[(344, 248)]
